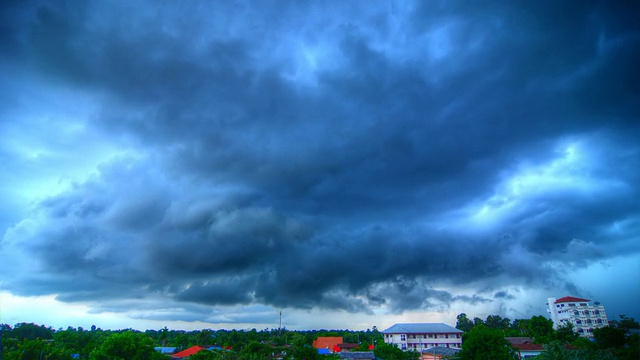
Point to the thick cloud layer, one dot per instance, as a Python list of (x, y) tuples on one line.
[(344, 156)]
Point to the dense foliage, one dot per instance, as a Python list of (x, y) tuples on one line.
[(482, 339), (31, 341), (483, 343), (617, 341)]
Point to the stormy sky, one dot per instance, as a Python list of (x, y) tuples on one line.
[(349, 163)]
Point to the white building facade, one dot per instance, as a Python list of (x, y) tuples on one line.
[(422, 336), (583, 314)]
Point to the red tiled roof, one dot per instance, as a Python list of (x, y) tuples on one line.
[(327, 342), (188, 352), (529, 347), (571, 299)]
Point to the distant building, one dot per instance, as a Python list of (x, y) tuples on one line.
[(439, 353), (423, 336), (187, 352), (328, 342), (583, 314), (524, 347)]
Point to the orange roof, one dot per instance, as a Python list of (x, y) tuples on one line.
[(188, 352), (327, 342), (571, 299)]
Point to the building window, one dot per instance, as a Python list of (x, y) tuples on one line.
[(576, 313), (578, 322), (404, 346), (572, 304), (430, 336), (583, 304), (597, 312), (403, 337)]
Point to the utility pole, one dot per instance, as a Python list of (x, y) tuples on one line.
[(280, 326)]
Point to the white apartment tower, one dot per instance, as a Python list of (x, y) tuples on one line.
[(583, 314)]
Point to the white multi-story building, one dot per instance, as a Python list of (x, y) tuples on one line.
[(422, 336), (583, 314)]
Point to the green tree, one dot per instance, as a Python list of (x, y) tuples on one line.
[(482, 343), (256, 350), (565, 334), (497, 322), (557, 351), (609, 337), (625, 323), (128, 345), (554, 351), (463, 323), (305, 352), (391, 352), (541, 329)]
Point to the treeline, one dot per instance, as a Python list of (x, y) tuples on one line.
[(30, 341), (619, 340), (26, 341)]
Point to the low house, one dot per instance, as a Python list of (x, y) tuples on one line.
[(525, 347), (528, 351), (328, 342), (439, 352)]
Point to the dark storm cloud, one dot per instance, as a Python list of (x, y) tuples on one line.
[(297, 156)]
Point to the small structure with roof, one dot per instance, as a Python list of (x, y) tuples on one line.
[(439, 352), (525, 347), (328, 342), (184, 354)]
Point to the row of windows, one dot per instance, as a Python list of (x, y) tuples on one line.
[(426, 346), (403, 337), (584, 312), (588, 321), (571, 304)]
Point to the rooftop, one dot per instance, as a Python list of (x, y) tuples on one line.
[(571, 299), (327, 342), (188, 352), (415, 328), (441, 350)]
